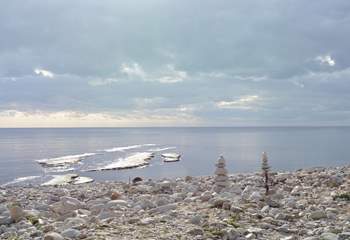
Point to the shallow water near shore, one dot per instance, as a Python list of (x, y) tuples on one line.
[(289, 148)]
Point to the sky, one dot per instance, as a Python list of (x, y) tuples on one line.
[(113, 63)]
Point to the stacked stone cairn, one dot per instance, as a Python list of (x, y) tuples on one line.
[(221, 179), (265, 169)]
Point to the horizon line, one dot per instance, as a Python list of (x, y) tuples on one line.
[(256, 126)]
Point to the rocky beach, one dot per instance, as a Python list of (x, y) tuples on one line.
[(309, 204)]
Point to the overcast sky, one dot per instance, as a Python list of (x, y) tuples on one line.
[(174, 63)]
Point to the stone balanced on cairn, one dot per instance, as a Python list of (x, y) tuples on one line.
[(221, 175)]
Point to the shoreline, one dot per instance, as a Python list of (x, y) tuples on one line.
[(309, 204), (23, 184)]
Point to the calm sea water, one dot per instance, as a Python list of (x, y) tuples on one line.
[(288, 149)]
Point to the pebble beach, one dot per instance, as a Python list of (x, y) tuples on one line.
[(307, 204)]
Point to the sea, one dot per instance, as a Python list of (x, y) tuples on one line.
[(288, 148)]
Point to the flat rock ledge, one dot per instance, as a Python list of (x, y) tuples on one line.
[(309, 204)]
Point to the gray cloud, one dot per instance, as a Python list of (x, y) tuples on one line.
[(179, 57)]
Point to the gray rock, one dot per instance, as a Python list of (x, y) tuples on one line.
[(105, 214), (161, 201), (255, 197), (329, 236), (53, 236), (273, 203), (164, 209), (3, 209), (74, 223), (196, 219), (265, 209), (335, 181), (236, 209), (206, 196), (71, 233), (97, 208), (146, 204), (230, 234), (5, 220), (66, 206), (117, 204), (317, 215), (344, 236), (195, 232), (147, 221)]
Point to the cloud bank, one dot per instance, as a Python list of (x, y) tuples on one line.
[(116, 63)]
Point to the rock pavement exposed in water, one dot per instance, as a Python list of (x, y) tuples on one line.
[(310, 204), (67, 179), (171, 157)]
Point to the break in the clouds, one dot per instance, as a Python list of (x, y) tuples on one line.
[(166, 74), (246, 102), (43, 72), (167, 63), (326, 59)]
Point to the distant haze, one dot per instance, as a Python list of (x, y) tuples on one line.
[(116, 63)]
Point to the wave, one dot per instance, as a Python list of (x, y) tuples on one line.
[(160, 149), (123, 149), (20, 179), (59, 169), (61, 161)]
